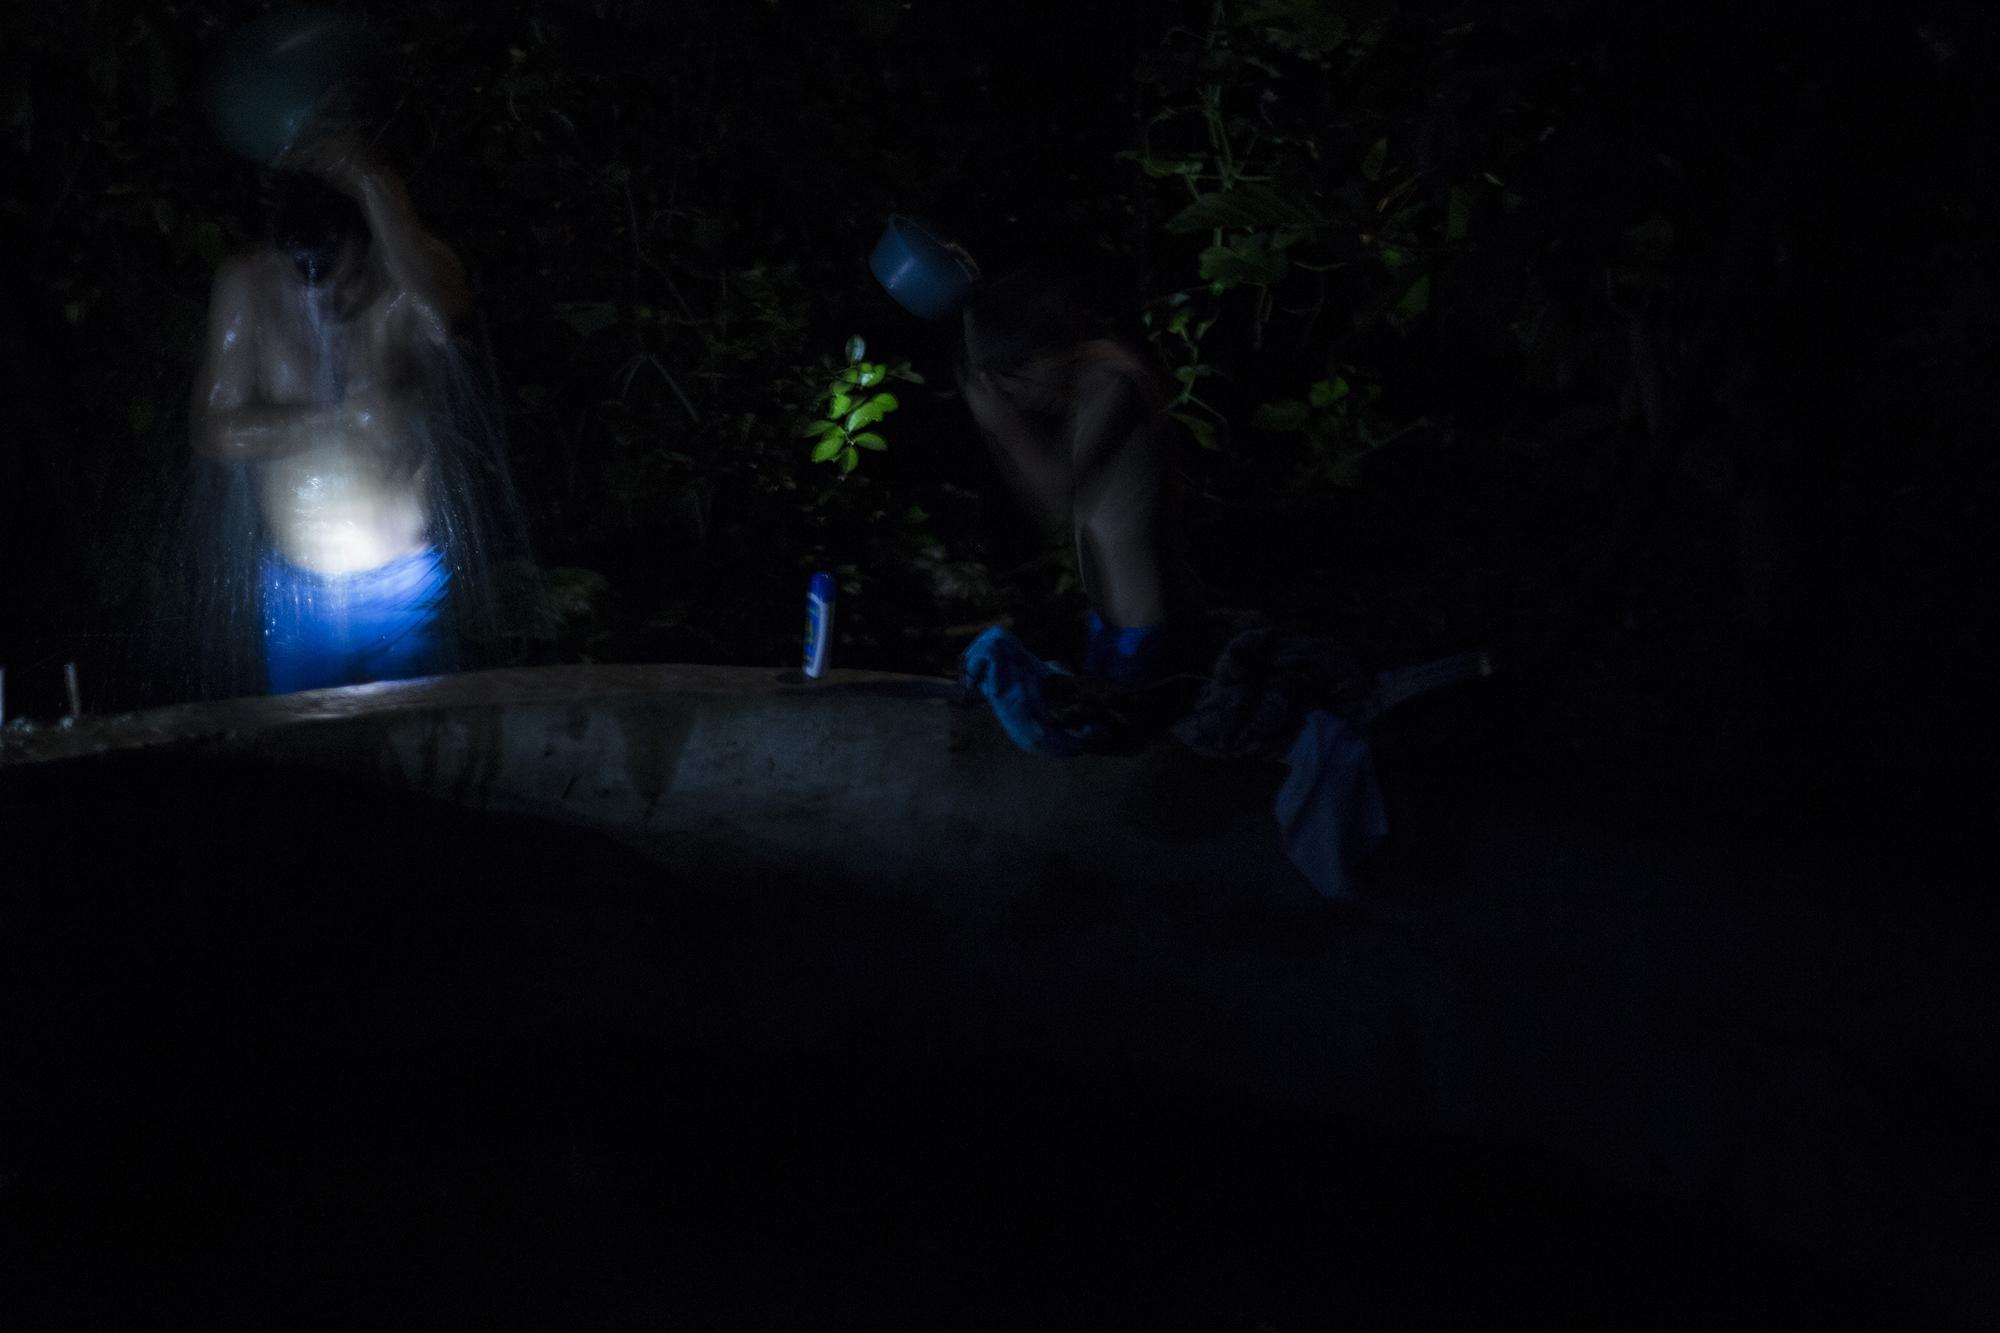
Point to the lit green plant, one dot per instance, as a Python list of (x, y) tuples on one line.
[(855, 399)]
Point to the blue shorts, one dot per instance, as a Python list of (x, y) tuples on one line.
[(348, 629)]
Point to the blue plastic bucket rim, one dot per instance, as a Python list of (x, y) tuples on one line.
[(918, 269)]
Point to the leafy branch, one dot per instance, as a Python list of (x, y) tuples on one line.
[(854, 399)]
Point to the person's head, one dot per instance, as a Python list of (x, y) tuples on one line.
[(1023, 317), (318, 227), (1023, 330)]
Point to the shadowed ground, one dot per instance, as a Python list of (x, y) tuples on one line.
[(284, 1049)]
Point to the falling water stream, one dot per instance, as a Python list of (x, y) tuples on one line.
[(339, 512)]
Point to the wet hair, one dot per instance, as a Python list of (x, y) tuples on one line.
[(1023, 314), (311, 221)]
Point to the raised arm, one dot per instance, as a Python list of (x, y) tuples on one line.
[(423, 269), (1034, 464)]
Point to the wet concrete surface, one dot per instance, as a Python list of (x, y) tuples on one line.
[(297, 1034)]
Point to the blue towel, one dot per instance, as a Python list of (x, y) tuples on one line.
[(1330, 808), (1000, 667)]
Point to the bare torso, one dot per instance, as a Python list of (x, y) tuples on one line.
[(324, 388), (352, 495)]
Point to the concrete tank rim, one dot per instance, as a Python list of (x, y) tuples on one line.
[(184, 724)]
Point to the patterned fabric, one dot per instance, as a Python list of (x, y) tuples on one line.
[(1263, 684)]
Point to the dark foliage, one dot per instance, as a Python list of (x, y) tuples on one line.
[(1613, 335)]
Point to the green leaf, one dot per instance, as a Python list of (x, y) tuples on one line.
[(1164, 168), (870, 440), (1202, 430), (1417, 299), (1244, 261), (868, 374), (842, 404), (915, 514), (1248, 205), (872, 411), (1288, 415), (849, 460), (1206, 212), (1371, 165), (1325, 393), (1290, 234), (828, 447), (856, 349)]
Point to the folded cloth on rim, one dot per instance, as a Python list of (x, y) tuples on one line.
[(1000, 667)]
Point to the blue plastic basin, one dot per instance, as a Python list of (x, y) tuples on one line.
[(278, 73), (916, 269)]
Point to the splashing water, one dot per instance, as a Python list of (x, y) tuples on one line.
[(219, 605)]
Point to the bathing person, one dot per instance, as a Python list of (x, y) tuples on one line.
[(325, 355), (1075, 419)]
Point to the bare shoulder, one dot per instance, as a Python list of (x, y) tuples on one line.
[(1112, 362), (1113, 354)]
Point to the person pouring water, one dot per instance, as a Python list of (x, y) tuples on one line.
[(1075, 419), (324, 353)]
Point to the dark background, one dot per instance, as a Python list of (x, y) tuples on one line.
[(1646, 346), (1686, 416)]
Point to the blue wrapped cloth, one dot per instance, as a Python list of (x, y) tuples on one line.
[(1090, 709), (1330, 810), (1125, 655), (348, 629)]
